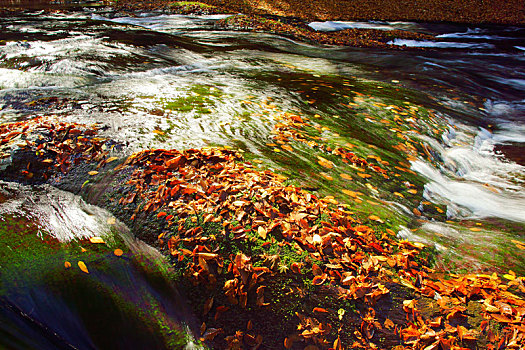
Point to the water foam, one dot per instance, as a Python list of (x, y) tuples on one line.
[(439, 44)]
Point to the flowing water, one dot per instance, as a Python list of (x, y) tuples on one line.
[(448, 124)]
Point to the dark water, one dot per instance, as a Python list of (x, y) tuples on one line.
[(177, 82)]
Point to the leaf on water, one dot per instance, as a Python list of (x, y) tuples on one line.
[(287, 147), (363, 175), (83, 267), (325, 163), (110, 159), (350, 193), (96, 240), (346, 176), (67, 264), (375, 218), (118, 252), (93, 172), (326, 176)]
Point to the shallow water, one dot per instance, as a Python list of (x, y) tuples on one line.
[(437, 119)]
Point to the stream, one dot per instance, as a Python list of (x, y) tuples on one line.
[(447, 123)]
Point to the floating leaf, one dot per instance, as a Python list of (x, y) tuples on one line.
[(375, 218), (326, 176), (346, 176), (93, 172), (363, 175), (118, 252), (67, 264), (325, 163), (83, 267), (350, 193)]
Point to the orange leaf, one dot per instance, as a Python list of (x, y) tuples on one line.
[(326, 176), (318, 280), (288, 343), (350, 193), (83, 267), (161, 214), (67, 264), (389, 324), (118, 252), (346, 176), (319, 309)]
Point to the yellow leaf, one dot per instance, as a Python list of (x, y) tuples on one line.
[(96, 240), (413, 191), (262, 232), (110, 159), (158, 132), (111, 221), (83, 267), (67, 264), (346, 176), (118, 252), (509, 277), (93, 172), (475, 229), (363, 175)]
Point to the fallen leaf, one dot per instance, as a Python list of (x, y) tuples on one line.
[(83, 267), (118, 252), (96, 240), (262, 232), (67, 264), (319, 309), (93, 172), (346, 176)]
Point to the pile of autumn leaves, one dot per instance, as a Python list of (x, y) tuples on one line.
[(342, 253), (354, 261)]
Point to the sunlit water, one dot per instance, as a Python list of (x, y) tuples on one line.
[(175, 81)]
